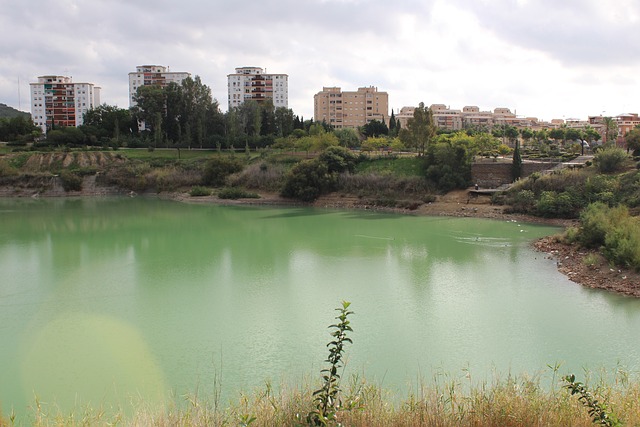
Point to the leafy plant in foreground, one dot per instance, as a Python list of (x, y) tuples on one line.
[(326, 399), (597, 410)]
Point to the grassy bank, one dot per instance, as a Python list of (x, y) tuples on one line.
[(503, 401)]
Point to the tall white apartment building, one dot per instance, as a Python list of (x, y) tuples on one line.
[(57, 101), (252, 83), (152, 75)]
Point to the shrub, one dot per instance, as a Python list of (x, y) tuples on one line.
[(594, 225), (219, 168), (613, 229), (524, 201), (199, 191), (6, 169), (236, 193), (338, 159), (611, 159), (307, 180), (590, 260), (71, 181), (622, 242)]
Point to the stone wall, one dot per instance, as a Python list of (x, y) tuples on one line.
[(495, 174)]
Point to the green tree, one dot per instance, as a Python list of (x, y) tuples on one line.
[(516, 165), (393, 125), (541, 135), (610, 131), (632, 139), (448, 165), (557, 134), (526, 134), (17, 127), (374, 128), (375, 144), (572, 134), (591, 134), (348, 137), (420, 130), (150, 101), (284, 121), (511, 133)]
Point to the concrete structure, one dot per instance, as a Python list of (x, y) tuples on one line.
[(146, 75), (57, 101), (350, 109), (252, 83)]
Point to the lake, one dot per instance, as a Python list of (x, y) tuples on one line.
[(107, 298)]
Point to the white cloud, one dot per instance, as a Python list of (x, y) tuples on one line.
[(539, 57)]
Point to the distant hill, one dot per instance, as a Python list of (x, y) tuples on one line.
[(6, 111)]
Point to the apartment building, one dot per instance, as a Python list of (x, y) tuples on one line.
[(626, 123), (146, 75), (58, 101), (350, 109), (253, 83), (471, 117)]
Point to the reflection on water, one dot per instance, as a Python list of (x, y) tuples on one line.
[(101, 299)]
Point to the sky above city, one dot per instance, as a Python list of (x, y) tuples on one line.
[(540, 58)]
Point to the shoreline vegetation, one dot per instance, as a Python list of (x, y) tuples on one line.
[(502, 401)]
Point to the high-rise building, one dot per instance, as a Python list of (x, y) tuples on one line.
[(252, 83), (57, 101), (158, 75), (350, 109)]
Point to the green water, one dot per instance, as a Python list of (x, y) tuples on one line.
[(104, 299)]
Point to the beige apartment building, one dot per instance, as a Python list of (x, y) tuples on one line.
[(350, 109), (471, 117)]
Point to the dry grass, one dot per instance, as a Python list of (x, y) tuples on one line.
[(505, 402), (260, 176)]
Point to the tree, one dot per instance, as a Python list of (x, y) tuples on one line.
[(526, 134), (448, 165), (541, 135), (511, 133), (557, 134), (150, 101), (348, 137), (516, 166), (374, 128), (610, 131), (591, 134), (420, 129), (107, 122), (284, 121), (393, 125), (17, 127), (572, 134), (632, 138), (375, 144)]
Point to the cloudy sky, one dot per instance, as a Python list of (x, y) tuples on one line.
[(541, 58)]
